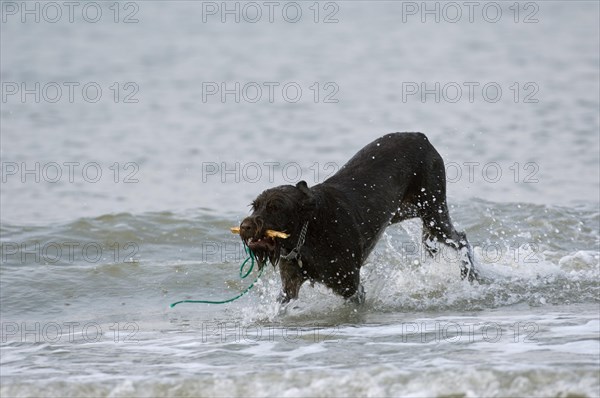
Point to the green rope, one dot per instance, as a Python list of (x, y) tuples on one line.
[(243, 275)]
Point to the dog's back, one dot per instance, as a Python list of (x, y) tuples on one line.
[(399, 160), (390, 175)]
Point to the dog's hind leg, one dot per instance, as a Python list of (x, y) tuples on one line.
[(437, 226), (433, 210), (429, 240), (407, 211)]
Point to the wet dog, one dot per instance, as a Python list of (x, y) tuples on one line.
[(334, 225)]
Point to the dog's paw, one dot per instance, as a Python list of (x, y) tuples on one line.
[(358, 297), (468, 271), (283, 298)]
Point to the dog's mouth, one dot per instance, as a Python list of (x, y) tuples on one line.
[(264, 248), (265, 244)]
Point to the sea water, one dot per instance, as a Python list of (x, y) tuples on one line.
[(114, 206)]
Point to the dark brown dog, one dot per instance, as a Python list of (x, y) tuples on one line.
[(334, 225)]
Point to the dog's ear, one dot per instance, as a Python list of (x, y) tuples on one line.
[(303, 187), (309, 201)]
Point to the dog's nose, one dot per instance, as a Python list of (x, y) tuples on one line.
[(246, 228)]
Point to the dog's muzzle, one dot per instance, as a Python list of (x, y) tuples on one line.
[(252, 232)]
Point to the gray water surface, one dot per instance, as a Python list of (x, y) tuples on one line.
[(113, 209)]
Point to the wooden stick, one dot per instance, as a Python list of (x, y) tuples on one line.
[(270, 233)]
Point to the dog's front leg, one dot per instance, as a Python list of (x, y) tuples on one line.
[(291, 280), (358, 297)]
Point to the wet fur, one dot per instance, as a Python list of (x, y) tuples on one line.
[(394, 178)]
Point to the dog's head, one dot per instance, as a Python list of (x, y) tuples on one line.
[(285, 208)]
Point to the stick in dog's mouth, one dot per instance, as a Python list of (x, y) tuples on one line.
[(268, 233), (264, 247)]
